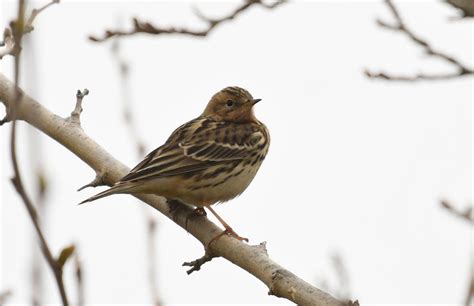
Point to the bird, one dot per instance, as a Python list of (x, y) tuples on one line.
[(210, 159)]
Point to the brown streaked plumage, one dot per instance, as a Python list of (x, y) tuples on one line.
[(207, 160)]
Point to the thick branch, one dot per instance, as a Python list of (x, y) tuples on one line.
[(149, 28), (400, 26), (254, 259)]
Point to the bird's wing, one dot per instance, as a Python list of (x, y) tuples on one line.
[(197, 145), (225, 142)]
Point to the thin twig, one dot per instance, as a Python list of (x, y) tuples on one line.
[(400, 26), (34, 13), (466, 214), (8, 43), (149, 28), (76, 113), (17, 27), (97, 181), (79, 280)]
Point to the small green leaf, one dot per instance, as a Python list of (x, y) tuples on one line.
[(65, 254)]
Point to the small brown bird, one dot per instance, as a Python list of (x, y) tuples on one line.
[(208, 160)]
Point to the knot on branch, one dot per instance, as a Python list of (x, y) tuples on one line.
[(75, 117), (99, 180)]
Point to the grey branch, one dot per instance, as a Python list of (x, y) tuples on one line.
[(400, 26), (149, 28), (253, 259)]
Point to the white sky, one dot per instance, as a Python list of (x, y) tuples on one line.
[(355, 166)]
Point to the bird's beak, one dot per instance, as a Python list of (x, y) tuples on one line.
[(255, 101)]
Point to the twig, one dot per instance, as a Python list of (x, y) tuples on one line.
[(17, 27), (79, 280), (8, 39), (149, 28), (466, 214), (248, 257), (34, 13), (8, 43), (99, 180), (76, 113), (400, 26)]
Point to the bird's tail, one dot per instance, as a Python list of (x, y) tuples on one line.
[(119, 188)]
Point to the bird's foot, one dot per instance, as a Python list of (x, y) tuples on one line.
[(196, 264), (197, 212), (230, 232)]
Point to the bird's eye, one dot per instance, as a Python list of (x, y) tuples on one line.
[(229, 103)]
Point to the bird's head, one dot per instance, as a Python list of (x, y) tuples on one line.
[(233, 104)]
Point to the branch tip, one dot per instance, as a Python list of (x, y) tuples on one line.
[(75, 117), (149, 28), (99, 180)]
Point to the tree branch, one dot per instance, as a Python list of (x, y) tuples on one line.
[(400, 26), (254, 259), (8, 43), (18, 30), (149, 28)]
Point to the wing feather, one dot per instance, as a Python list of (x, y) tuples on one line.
[(196, 146)]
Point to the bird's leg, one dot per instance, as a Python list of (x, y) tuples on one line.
[(228, 230), (174, 206), (197, 212)]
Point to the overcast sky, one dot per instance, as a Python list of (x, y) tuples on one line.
[(356, 167)]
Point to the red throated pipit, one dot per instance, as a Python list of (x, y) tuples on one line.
[(208, 160)]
